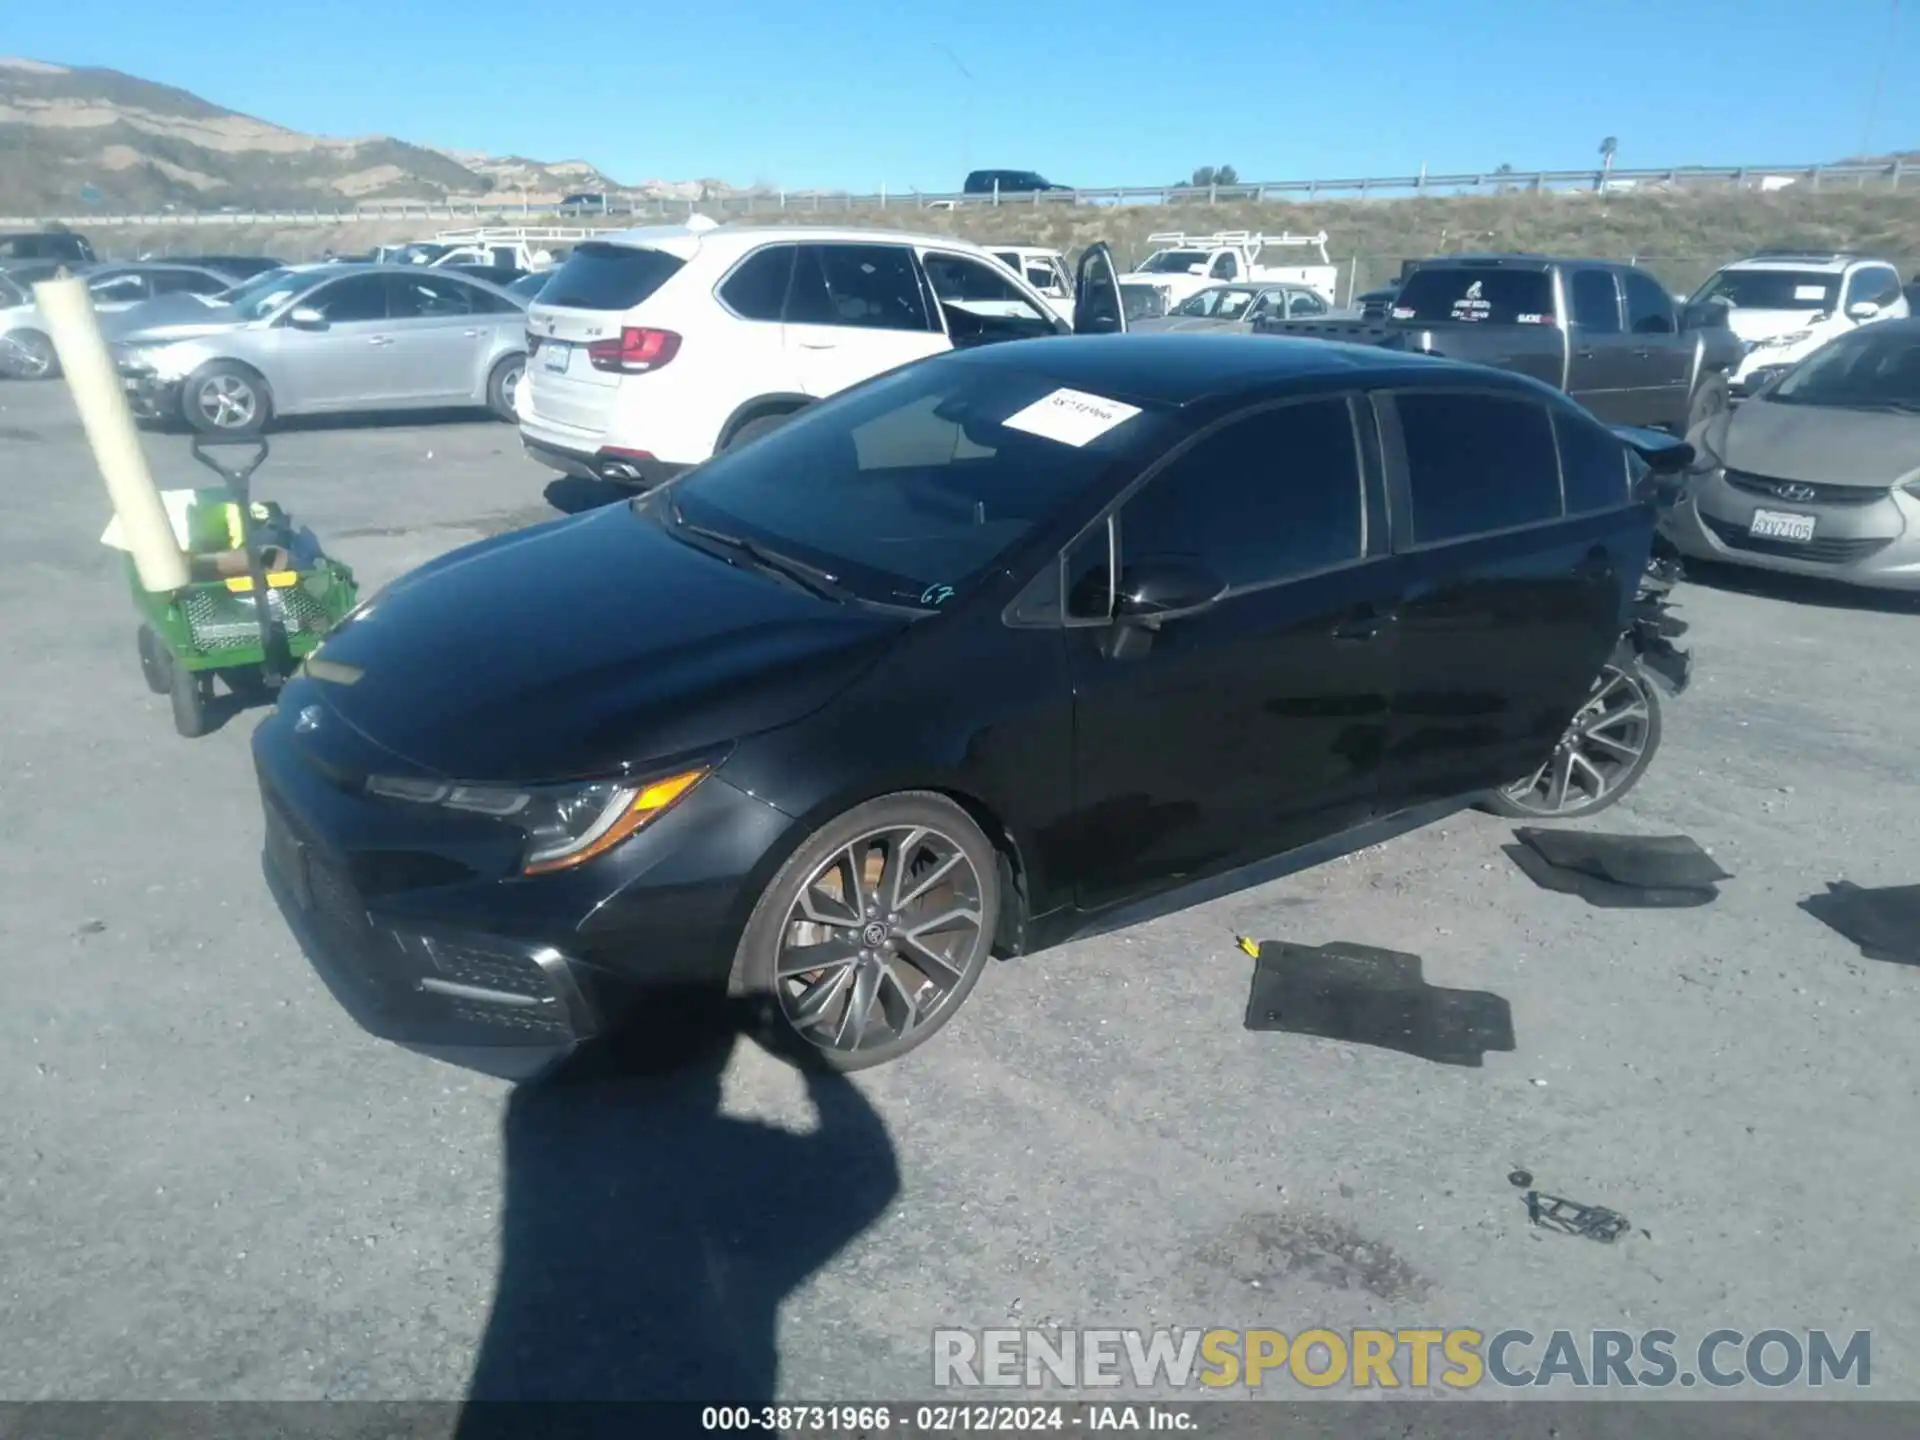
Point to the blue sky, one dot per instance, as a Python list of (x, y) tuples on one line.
[(855, 94)]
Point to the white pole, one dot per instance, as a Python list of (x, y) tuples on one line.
[(68, 311)]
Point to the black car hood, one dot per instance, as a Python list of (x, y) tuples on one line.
[(584, 645)]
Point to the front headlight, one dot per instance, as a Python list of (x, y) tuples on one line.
[(564, 825), (1781, 342)]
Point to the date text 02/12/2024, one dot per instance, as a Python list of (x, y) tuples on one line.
[(944, 1419)]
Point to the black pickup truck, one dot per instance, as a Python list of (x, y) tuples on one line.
[(1608, 334)]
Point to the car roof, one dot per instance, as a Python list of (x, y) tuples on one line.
[(1830, 264), (681, 241), (1175, 369)]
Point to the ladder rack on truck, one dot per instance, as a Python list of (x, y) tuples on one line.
[(1245, 240)]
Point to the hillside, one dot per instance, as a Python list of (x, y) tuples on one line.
[(73, 139), (1681, 237)]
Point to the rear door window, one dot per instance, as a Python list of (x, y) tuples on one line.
[(1596, 302), (1477, 463), (867, 287), (598, 276), (1476, 295), (1264, 498), (428, 297), (345, 302), (114, 289), (1649, 306), (188, 282)]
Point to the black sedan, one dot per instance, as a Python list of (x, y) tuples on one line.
[(982, 651)]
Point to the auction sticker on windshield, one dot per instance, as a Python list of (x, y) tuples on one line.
[(1073, 417)]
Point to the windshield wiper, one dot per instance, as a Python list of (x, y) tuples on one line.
[(807, 577)]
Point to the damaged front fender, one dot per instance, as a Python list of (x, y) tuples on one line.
[(1654, 627)]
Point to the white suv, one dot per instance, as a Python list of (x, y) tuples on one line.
[(651, 350), (1786, 305)]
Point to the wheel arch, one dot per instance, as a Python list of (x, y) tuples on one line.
[(235, 362), (780, 402)]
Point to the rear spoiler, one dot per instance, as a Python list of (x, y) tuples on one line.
[(1667, 458)]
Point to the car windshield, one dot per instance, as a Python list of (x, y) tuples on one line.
[(266, 293), (1173, 262), (1872, 368), (909, 489), (1223, 302), (1808, 290)]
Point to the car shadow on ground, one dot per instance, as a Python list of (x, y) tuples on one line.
[(1798, 589), (574, 494), (352, 420), (648, 1240)]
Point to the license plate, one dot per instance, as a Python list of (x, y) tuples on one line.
[(1780, 525), (554, 355), (288, 858)]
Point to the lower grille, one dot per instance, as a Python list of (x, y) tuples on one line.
[(1818, 551), (489, 969), (1751, 484)]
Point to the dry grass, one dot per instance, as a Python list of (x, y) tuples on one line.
[(1681, 237)]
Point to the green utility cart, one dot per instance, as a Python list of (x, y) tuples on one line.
[(237, 549)]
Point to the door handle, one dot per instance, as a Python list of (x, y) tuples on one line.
[(819, 345), (1583, 354), (474, 333), (1364, 623), (379, 340), (1643, 354)]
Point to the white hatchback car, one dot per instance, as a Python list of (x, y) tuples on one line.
[(652, 350)]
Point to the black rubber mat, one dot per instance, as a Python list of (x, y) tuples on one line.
[(1373, 997), (1641, 872), (1884, 923)]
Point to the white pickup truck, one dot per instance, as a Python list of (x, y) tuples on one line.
[(520, 249), (1183, 264)]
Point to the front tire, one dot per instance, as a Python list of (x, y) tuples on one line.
[(875, 930), (29, 355), (226, 398), (156, 661), (501, 385), (1607, 748), (190, 694)]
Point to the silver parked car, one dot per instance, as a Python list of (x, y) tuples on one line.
[(28, 350), (316, 339), (1232, 309), (1819, 472)]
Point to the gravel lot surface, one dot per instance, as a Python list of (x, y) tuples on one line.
[(215, 1186)]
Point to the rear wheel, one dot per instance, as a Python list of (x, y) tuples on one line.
[(1605, 751), (156, 661), (875, 930), (501, 384), (225, 398), (29, 355)]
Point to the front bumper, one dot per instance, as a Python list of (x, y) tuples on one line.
[(1873, 544), (148, 395), (421, 926)]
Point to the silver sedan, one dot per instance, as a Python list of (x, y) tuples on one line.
[(26, 350), (318, 339)]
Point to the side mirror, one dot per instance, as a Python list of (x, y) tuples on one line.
[(305, 317), (1159, 588), (1863, 310)]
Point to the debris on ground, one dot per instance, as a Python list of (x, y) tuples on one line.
[(1368, 996), (1618, 871), (1570, 1217), (1883, 922)]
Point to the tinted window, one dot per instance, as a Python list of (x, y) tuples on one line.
[(364, 297), (1876, 283), (872, 287), (1649, 306), (485, 302), (1225, 267), (429, 297), (910, 482), (598, 276), (1273, 495), (1477, 463), (757, 289), (981, 301), (1498, 297), (1596, 303), (190, 282), (1593, 464), (1305, 302)]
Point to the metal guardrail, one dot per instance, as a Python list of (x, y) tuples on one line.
[(1692, 177)]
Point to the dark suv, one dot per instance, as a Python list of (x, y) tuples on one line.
[(46, 245), (1008, 182)]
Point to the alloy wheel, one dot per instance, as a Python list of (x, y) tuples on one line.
[(1600, 753), (29, 356), (226, 401), (879, 940)]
